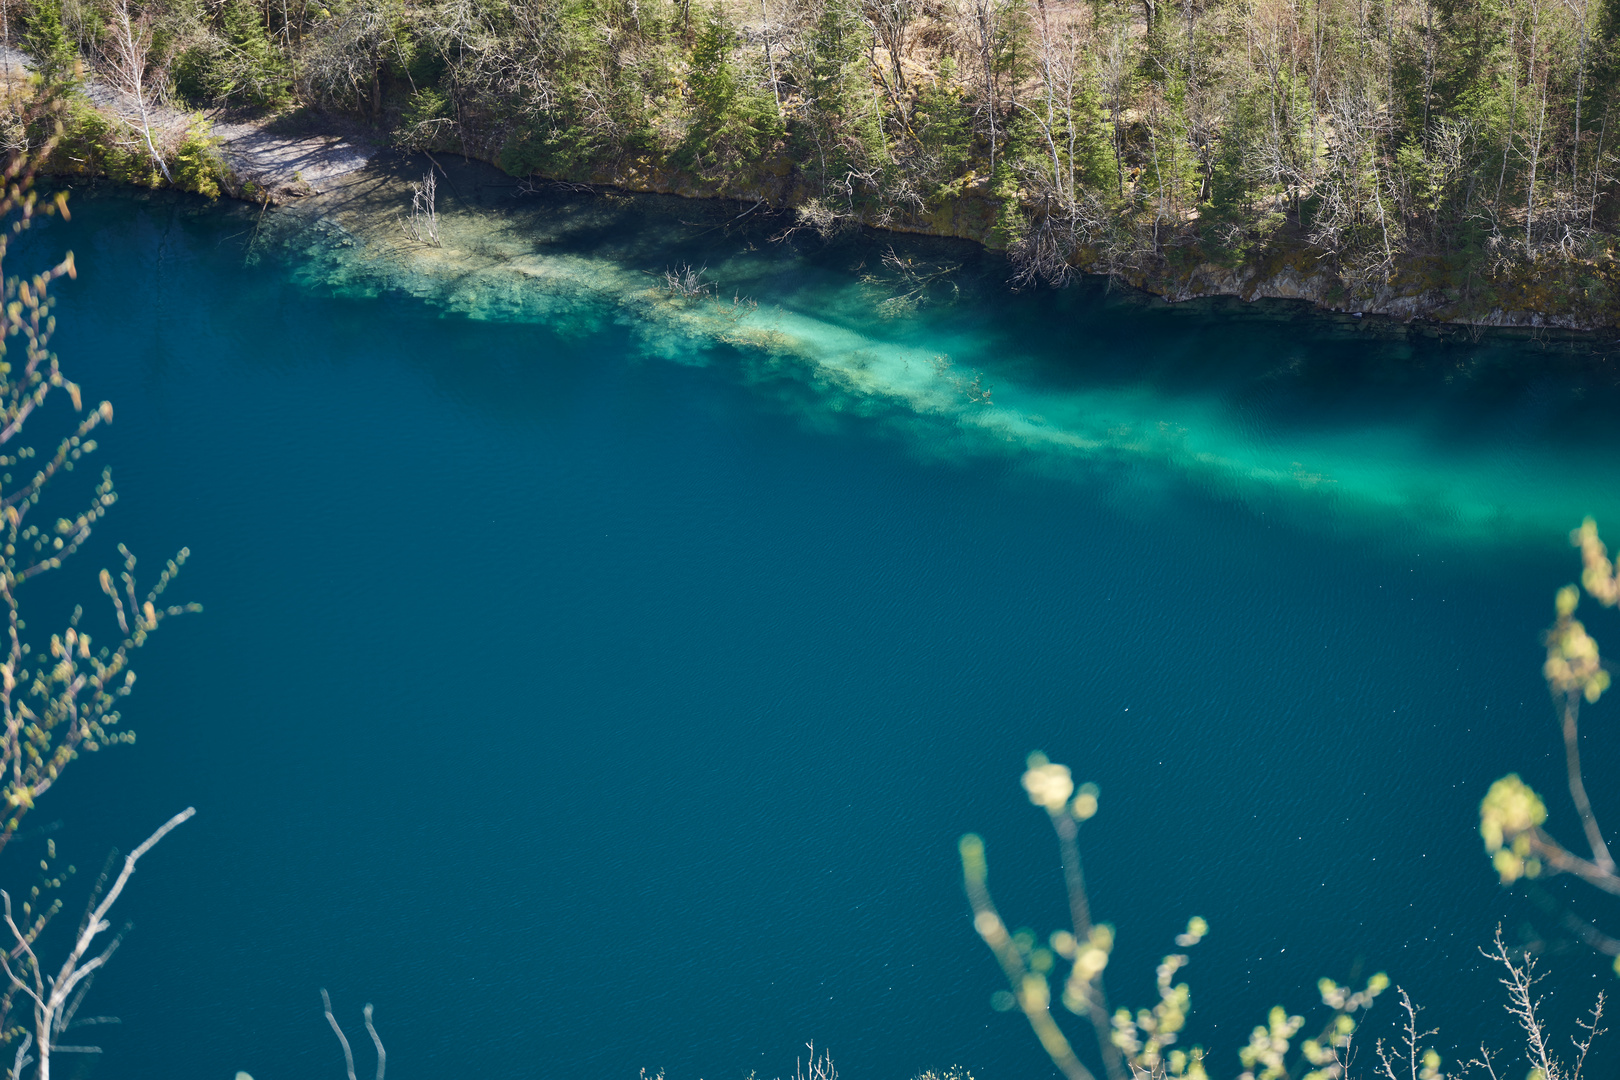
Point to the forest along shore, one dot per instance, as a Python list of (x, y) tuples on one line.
[(1448, 161)]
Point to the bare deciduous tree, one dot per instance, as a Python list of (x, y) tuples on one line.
[(1524, 1006), (345, 53), (54, 995), (129, 46), (423, 224)]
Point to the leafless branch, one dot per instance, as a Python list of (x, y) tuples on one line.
[(50, 994)]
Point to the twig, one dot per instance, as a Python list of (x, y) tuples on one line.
[(382, 1055), (348, 1055)]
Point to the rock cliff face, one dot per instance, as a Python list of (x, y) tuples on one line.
[(1569, 296), (1408, 296)]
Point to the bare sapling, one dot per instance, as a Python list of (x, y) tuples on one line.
[(423, 224), (770, 57), (984, 18), (687, 282), (1524, 1005), (129, 46), (51, 994), (818, 1067)]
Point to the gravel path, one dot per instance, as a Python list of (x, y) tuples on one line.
[(289, 164), (281, 164)]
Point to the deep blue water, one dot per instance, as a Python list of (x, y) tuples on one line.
[(592, 697)]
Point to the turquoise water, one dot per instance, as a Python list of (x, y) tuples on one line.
[(596, 680)]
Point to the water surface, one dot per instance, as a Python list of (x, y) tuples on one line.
[(597, 680)]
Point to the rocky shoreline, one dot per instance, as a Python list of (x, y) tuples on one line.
[(1426, 290), (271, 160)]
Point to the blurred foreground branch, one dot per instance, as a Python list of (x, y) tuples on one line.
[(1144, 1044), (1511, 815), (51, 994), (59, 700)]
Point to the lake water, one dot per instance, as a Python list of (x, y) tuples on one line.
[(599, 681)]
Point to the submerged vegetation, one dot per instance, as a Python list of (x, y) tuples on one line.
[(1460, 146)]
